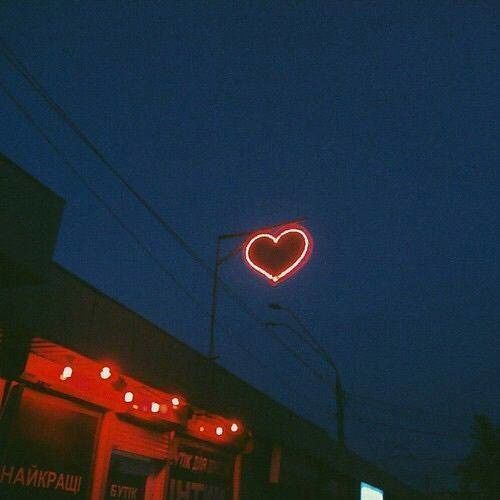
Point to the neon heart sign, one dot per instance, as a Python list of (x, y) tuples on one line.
[(278, 255)]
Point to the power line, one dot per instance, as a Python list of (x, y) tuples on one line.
[(388, 406), (404, 452), (304, 335), (29, 117), (292, 390), (21, 68), (15, 62), (412, 430), (299, 358)]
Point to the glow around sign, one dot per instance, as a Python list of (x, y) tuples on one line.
[(277, 255)]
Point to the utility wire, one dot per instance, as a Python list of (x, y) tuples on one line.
[(400, 450), (21, 68), (29, 118), (412, 430), (388, 406), (304, 335), (292, 390), (299, 358), (16, 63)]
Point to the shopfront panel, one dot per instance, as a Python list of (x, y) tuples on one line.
[(128, 476), (137, 461), (2, 389), (201, 472), (47, 445)]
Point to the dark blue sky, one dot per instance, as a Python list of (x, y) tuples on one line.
[(378, 122)]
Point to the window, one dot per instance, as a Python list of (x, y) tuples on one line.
[(369, 492)]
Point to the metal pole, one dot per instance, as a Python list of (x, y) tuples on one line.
[(211, 347), (339, 392), (339, 400), (218, 261)]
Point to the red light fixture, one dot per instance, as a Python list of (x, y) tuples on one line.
[(155, 407), (280, 255), (175, 401), (128, 397), (234, 427), (219, 431), (202, 429), (66, 373), (105, 372)]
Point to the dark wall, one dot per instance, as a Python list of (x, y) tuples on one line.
[(39, 298), (29, 220), (74, 314)]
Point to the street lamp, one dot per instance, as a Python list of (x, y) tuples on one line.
[(292, 351), (309, 338), (215, 283), (213, 311)]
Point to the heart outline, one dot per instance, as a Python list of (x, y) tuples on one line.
[(301, 260)]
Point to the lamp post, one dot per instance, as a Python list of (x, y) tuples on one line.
[(215, 283), (308, 337)]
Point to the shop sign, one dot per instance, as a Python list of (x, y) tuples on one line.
[(127, 477), (198, 474), (32, 477), (46, 448)]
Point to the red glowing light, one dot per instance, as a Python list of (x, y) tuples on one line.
[(155, 407), (128, 397), (202, 429), (280, 255), (234, 427), (66, 373), (105, 372), (219, 431), (175, 401)]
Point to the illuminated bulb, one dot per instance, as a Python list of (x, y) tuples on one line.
[(105, 373), (234, 427), (155, 407), (128, 397), (219, 431), (202, 429), (135, 407), (176, 402), (66, 373)]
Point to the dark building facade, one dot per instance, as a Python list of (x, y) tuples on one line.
[(97, 402)]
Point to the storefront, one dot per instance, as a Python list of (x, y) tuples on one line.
[(47, 446), (201, 471), (75, 426), (72, 428)]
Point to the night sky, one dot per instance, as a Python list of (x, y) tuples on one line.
[(377, 122)]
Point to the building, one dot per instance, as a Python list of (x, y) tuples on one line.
[(97, 402)]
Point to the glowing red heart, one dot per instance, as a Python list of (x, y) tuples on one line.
[(278, 257)]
